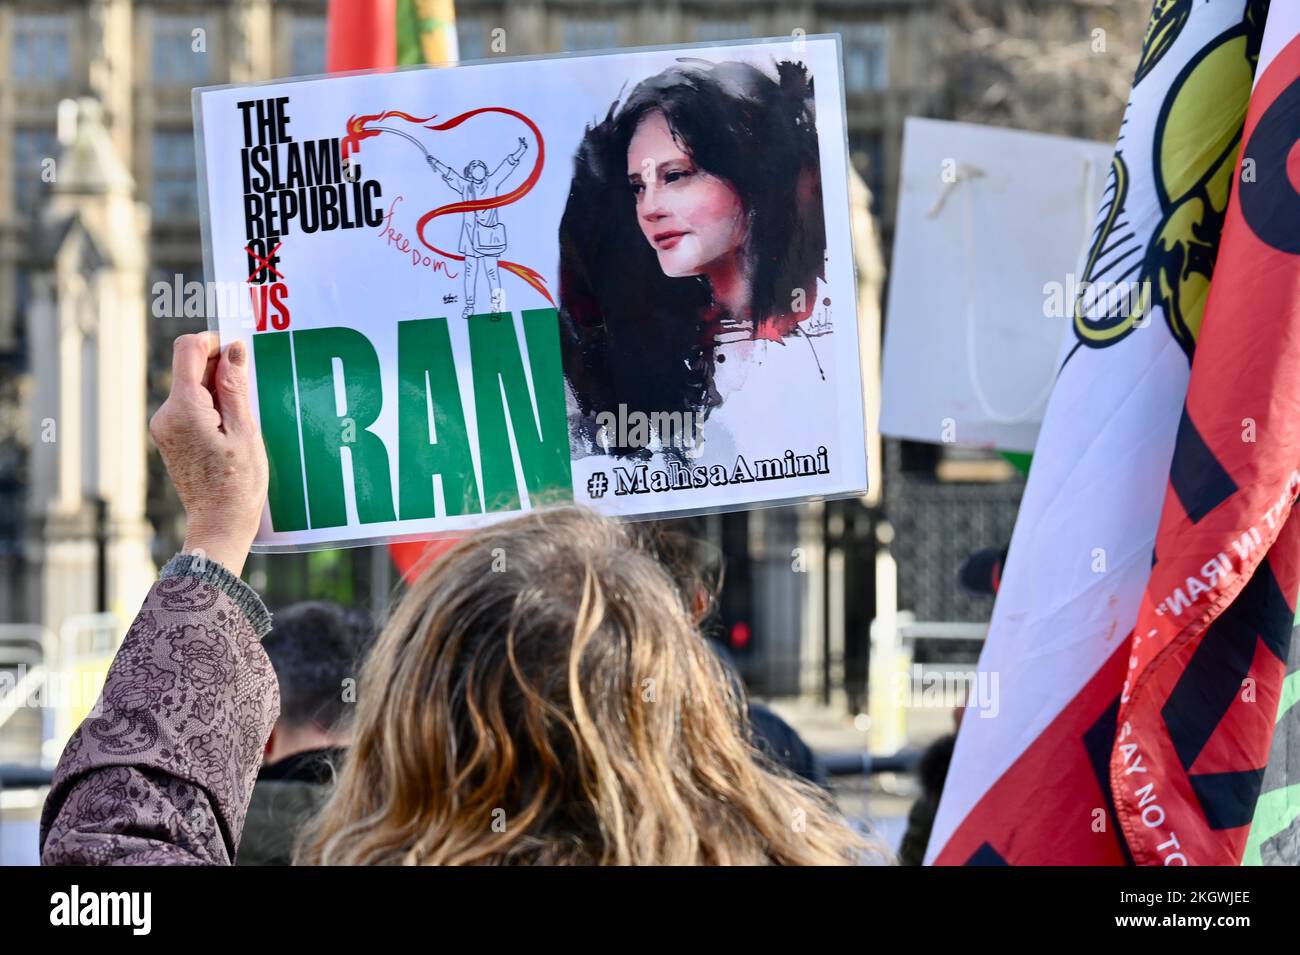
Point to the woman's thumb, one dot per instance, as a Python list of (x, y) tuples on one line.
[(232, 388)]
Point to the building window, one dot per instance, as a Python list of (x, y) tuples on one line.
[(42, 48), (22, 292), (471, 39), (307, 46), (590, 35), (31, 149), (180, 55), (13, 335), (175, 193), (867, 150), (866, 66), (716, 31)]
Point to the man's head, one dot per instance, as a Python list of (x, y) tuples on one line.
[(314, 648), (476, 170)]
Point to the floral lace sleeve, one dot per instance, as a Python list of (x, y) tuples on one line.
[(163, 771)]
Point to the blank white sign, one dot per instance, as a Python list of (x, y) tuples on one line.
[(991, 229)]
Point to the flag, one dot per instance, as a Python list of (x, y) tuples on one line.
[(373, 34), (1208, 659), (1275, 831), (426, 32), (1030, 776), (360, 35)]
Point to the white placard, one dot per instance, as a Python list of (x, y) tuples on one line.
[(623, 280), (991, 226)]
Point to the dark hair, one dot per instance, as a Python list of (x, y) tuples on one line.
[(634, 336), (313, 648), (695, 564), (697, 569), (471, 164)]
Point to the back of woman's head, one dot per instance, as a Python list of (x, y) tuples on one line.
[(541, 696)]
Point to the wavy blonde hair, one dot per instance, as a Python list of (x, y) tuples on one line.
[(542, 696)]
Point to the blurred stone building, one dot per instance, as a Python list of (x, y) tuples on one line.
[(97, 203), (76, 267)]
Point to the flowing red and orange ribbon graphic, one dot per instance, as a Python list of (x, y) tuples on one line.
[(358, 129)]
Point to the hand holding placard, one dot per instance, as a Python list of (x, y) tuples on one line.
[(212, 448)]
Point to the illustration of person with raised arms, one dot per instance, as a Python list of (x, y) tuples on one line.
[(482, 234)]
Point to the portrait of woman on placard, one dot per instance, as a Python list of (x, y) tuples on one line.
[(691, 251)]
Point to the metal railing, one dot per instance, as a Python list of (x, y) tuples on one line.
[(861, 763), (18, 776), (911, 631)]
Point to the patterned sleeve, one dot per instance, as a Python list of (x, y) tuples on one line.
[(161, 772)]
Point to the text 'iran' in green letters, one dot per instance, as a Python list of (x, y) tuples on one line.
[(433, 438)]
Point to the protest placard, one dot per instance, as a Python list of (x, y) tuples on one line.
[(992, 228), (623, 280)]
